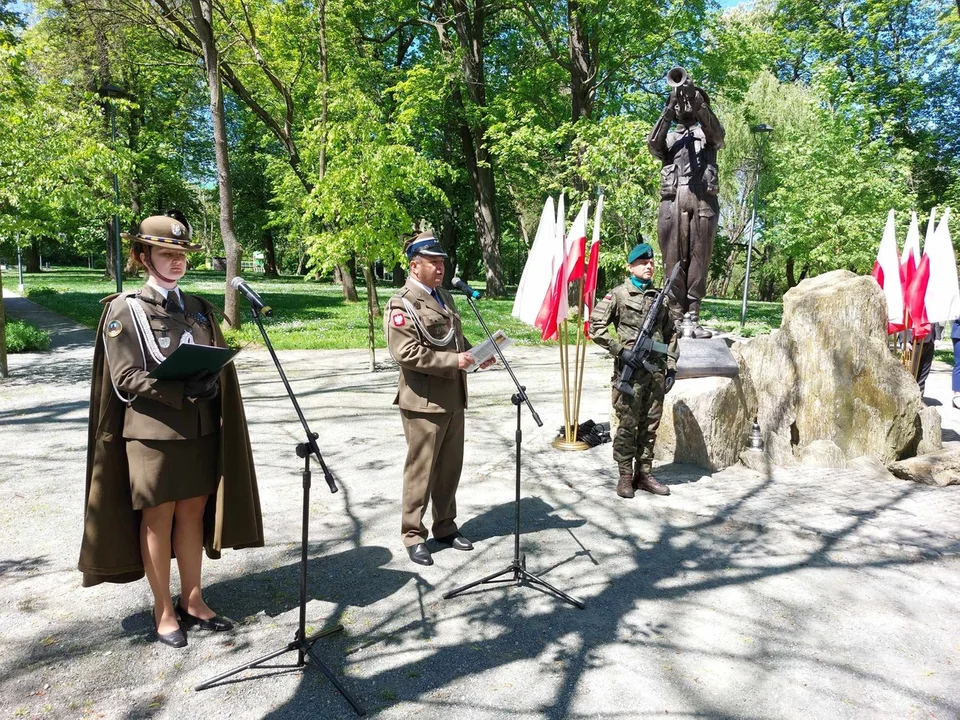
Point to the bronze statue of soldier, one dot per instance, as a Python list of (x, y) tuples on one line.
[(689, 183)]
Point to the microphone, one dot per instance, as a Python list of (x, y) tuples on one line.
[(465, 289), (255, 301)]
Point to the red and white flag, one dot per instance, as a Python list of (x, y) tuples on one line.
[(886, 271), (555, 308), (910, 257), (943, 293), (539, 270), (593, 269), (577, 246)]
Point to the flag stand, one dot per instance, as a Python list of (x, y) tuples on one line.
[(571, 415)]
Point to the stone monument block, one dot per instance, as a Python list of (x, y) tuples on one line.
[(829, 375), (706, 358), (705, 422)]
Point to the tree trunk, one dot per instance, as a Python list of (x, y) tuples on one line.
[(469, 28), (269, 255), (31, 257), (399, 275), (583, 70), (791, 279), (373, 312), (202, 21), (347, 273)]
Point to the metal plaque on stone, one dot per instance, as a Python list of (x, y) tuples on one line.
[(706, 358)]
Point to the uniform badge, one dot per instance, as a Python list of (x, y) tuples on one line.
[(114, 328), (164, 342), (176, 229), (398, 319), (416, 305), (187, 338)]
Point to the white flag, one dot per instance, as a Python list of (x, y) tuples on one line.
[(538, 270), (943, 294)]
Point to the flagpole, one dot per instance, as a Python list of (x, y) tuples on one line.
[(581, 353)]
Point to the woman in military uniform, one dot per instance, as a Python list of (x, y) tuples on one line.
[(156, 463)]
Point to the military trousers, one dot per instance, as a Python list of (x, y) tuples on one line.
[(431, 473), (639, 418), (686, 228)]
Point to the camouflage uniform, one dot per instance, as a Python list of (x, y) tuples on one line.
[(626, 307)]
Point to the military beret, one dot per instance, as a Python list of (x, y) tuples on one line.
[(172, 231), (641, 251), (424, 244)]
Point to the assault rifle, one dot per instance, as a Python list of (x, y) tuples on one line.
[(645, 345)]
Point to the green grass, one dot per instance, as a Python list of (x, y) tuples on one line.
[(312, 316), (23, 337), (762, 317)]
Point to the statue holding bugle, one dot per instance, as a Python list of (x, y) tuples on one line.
[(645, 349), (685, 139)]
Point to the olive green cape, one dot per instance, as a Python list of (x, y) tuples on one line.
[(110, 549)]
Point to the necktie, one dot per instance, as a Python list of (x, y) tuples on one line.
[(173, 302), (436, 296)]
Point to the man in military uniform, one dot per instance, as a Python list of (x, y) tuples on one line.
[(626, 307), (425, 337), (689, 209)]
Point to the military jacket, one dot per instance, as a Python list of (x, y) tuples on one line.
[(688, 153), (627, 307), (138, 334), (425, 339)]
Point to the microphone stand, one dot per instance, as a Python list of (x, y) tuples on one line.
[(301, 643), (517, 569)]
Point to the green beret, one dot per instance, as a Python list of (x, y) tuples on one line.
[(643, 251)]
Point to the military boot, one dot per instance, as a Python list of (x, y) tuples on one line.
[(648, 483), (699, 331), (625, 486)]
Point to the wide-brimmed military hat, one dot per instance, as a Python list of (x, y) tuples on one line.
[(424, 244), (165, 231)]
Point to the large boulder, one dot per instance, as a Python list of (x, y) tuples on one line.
[(938, 469), (828, 375), (705, 422)]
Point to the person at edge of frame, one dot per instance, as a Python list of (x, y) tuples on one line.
[(425, 337), (169, 465), (626, 307)]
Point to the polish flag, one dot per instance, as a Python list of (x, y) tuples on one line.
[(593, 268), (910, 257), (942, 293), (554, 309), (886, 271), (576, 246), (539, 270)]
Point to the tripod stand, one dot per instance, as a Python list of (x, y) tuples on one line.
[(301, 643), (517, 569)]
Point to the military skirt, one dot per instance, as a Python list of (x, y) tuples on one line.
[(164, 471)]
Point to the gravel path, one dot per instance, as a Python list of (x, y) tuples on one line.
[(805, 594)]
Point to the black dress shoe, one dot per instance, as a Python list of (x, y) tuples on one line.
[(176, 639), (456, 541), (216, 623), (420, 554)]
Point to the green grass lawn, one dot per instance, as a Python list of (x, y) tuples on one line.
[(312, 316)]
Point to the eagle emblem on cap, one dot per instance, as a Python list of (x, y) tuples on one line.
[(176, 229)]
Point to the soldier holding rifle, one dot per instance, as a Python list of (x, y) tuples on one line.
[(645, 367)]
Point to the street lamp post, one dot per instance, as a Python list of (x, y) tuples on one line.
[(112, 92), (19, 265), (760, 133)]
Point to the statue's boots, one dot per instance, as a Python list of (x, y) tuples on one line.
[(625, 485), (700, 332), (648, 483)]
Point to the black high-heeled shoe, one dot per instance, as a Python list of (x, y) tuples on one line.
[(216, 623)]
